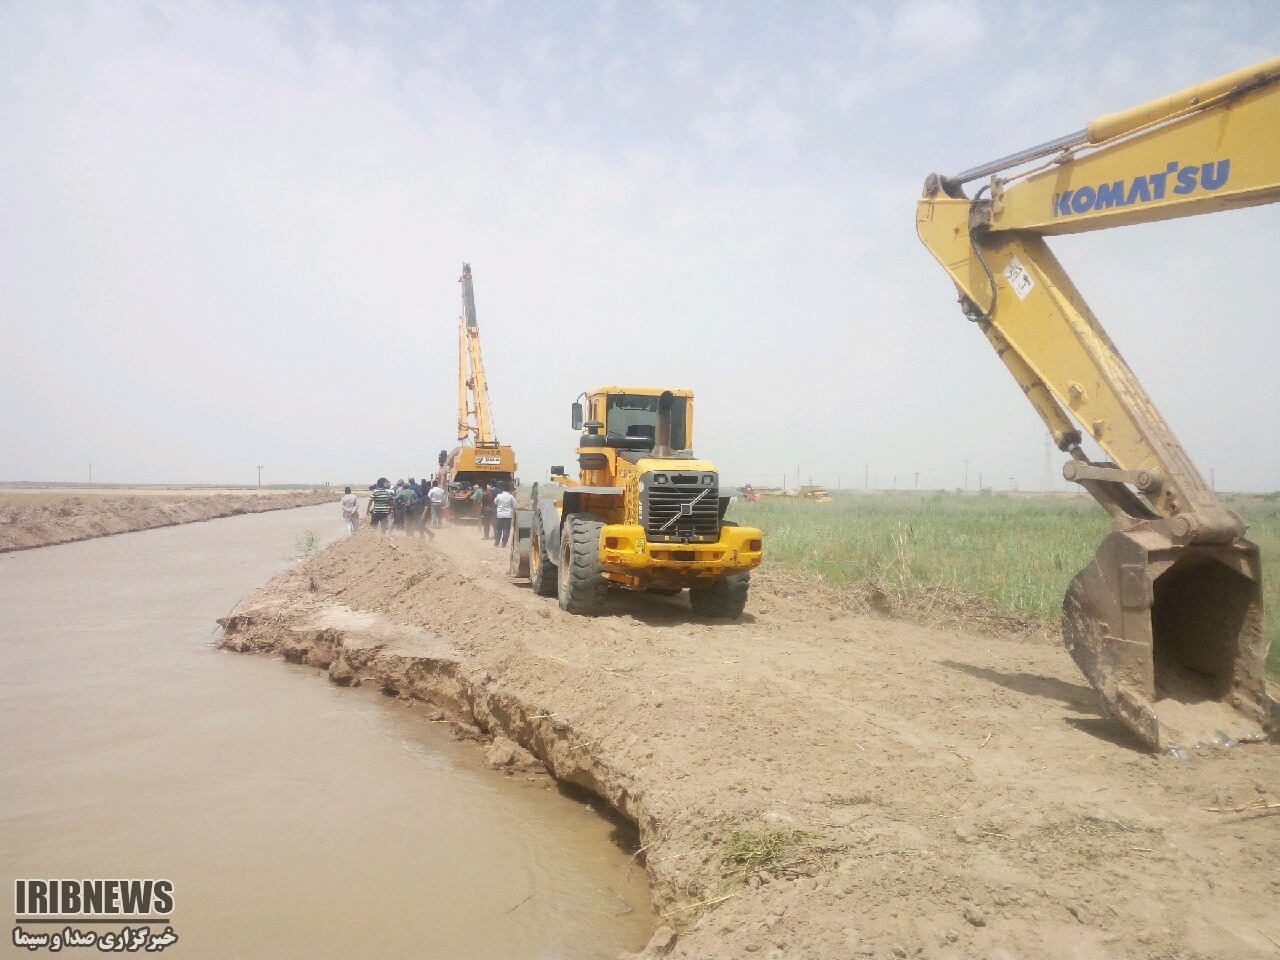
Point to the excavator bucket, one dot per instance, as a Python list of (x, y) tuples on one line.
[(1171, 635)]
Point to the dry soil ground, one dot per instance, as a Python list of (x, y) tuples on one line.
[(813, 782), (36, 518)]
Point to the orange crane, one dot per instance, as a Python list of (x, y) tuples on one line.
[(479, 458)]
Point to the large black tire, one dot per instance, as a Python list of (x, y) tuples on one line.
[(521, 526), (581, 585), (542, 572), (725, 599)]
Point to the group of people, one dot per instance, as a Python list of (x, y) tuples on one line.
[(409, 506), (417, 507), (497, 506)]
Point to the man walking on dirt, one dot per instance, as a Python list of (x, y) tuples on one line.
[(436, 496), (351, 511), (379, 509), (504, 508)]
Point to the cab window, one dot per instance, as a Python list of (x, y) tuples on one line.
[(637, 415)]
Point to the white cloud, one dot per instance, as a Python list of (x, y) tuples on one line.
[(936, 27), (764, 128)]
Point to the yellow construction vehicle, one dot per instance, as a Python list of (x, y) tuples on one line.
[(479, 459), (645, 513), (1166, 622)]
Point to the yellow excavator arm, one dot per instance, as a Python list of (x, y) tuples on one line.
[(1166, 622)]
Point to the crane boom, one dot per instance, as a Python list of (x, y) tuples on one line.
[(479, 459), (473, 389), (1166, 622)]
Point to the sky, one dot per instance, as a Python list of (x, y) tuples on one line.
[(231, 233)]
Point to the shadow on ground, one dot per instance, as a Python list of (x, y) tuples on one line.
[(1074, 696)]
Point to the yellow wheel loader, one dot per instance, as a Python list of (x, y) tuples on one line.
[(645, 513), (1166, 622)]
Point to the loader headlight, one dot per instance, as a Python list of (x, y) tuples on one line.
[(708, 478), (660, 478)]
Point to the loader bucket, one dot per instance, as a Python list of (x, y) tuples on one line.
[(1171, 635)]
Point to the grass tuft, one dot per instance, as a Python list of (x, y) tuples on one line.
[(308, 544), (756, 850)]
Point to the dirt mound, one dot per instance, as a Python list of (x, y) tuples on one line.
[(811, 781), (67, 519)]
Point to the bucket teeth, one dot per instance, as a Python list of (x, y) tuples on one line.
[(1171, 637)]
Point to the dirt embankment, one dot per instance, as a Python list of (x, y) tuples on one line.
[(812, 782), (67, 519)]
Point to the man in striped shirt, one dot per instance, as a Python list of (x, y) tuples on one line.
[(380, 504)]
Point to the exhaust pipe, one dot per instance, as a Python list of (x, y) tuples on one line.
[(662, 433), (1171, 636)]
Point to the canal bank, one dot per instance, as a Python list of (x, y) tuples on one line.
[(293, 818), (811, 781), (30, 517)]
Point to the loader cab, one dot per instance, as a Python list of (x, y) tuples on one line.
[(637, 418)]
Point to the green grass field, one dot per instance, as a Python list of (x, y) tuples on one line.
[(1019, 553)]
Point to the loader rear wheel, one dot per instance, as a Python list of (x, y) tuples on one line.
[(542, 572), (521, 528), (581, 585), (725, 599)]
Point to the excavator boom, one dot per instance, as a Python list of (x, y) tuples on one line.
[(1167, 620)]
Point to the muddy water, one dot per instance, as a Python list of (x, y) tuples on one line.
[(294, 818)]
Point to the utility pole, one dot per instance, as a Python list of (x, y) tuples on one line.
[(966, 476), (866, 476), (839, 481), (797, 479), (979, 481), (917, 479), (259, 477), (895, 481), (1213, 479), (91, 473)]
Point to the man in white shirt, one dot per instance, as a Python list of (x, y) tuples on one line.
[(351, 510), (436, 498), (504, 509)]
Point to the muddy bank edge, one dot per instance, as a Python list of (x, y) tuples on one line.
[(71, 519)]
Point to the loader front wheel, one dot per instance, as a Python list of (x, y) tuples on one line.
[(542, 572), (725, 599), (581, 585)]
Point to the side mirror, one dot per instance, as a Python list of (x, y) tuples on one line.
[(557, 471), (577, 416)]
